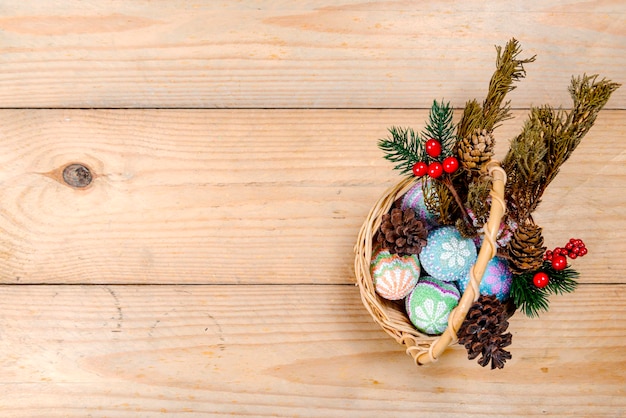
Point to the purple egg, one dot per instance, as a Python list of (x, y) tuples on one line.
[(414, 199), (496, 280)]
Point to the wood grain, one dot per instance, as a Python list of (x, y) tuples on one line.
[(289, 351), (313, 54), (207, 269), (244, 196)]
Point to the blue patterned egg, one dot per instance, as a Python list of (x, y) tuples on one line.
[(429, 305), (496, 280), (448, 256)]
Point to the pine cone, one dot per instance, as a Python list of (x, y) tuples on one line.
[(476, 150), (526, 248), (482, 332), (401, 233)]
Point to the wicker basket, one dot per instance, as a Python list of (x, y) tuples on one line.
[(391, 315)]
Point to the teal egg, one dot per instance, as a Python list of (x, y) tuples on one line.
[(448, 256)]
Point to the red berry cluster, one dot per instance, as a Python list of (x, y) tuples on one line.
[(436, 168), (573, 249)]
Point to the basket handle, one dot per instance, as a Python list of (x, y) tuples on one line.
[(486, 253)]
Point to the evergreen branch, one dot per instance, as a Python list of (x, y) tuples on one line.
[(530, 299), (494, 109), (471, 120), (403, 147), (441, 127), (561, 281), (526, 167), (589, 98), (527, 297), (509, 69), (547, 140)]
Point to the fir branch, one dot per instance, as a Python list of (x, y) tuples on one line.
[(526, 167), (547, 140), (561, 281), (527, 297), (472, 119), (509, 69), (530, 299), (589, 98), (403, 147), (441, 127)]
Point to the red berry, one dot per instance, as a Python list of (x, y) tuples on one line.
[(583, 251), (541, 279), (579, 242), (450, 165), (547, 255), (420, 169), (573, 255), (572, 240), (433, 148), (435, 170), (559, 262), (569, 246)]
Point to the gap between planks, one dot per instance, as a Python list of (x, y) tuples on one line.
[(244, 196)]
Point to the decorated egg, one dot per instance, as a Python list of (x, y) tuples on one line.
[(448, 256), (430, 303), (414, 199), (394, 276), (496, 280)]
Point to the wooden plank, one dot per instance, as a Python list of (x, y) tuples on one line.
[(313, 54), (289, 351), (243, 196)]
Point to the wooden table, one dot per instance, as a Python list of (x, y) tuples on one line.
[(207, 269)]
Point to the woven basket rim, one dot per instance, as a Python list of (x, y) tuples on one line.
[(390, 315)]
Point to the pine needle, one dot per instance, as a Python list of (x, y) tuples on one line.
[(532, 300), (441, 127), (527, 297), (403, 147)]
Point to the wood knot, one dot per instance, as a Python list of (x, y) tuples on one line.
[(77, 175)]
